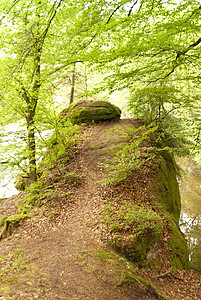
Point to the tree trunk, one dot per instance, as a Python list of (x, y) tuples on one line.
[(72, 86), (86, 82), (30, 114), (31, 89), (33, 101), (31, 147)]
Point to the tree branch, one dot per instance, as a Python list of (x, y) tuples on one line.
[(169, 272), (130, 11), (51, 18), (10, 8), (23, 91), (175, 63), (179, 53), (110, 17), (193, 13), (64, 66), (42, 37)]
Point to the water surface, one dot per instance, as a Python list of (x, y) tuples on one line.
[(190, 221)]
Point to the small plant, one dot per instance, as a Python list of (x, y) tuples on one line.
[(130, 157), (18, 252), (32, 198), (63, 141), (72, 178), (133, 229), (132, 218), (12, 265)]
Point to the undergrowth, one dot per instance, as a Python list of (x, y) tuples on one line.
[(130, 157), (133, 230), (63, 141), (62, 148), (11, 265), (133, 218)]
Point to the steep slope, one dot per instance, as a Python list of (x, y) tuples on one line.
[(62, 252)]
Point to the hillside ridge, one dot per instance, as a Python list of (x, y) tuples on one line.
[(60, 253)]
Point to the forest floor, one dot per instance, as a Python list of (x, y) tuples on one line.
[(59, 253)]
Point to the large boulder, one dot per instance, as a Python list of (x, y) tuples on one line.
[(88, 111)]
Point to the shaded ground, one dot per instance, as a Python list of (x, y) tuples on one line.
[(59, 253)]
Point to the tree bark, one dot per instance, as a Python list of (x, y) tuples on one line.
[(86, 83), (72, 86), (31, 102), (31, 146)]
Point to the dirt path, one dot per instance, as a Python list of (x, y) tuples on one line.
[(54, 258)]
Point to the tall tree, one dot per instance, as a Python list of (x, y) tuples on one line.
[(24, 36), (153, 50), (39, 39)]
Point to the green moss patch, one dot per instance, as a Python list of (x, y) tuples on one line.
[(22, 182), (168, 195), (167, 187), (178, 245)]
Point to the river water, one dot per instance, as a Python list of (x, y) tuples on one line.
[(9, 135), (190, 221), (13, 140), (7, 188)]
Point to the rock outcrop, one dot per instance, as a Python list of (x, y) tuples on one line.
[(142, 211)]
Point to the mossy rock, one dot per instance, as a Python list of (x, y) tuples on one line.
[(180, 252), (167, 187), (168, 195), (136, 248), (88, 111), (134, 230), (22, 182)]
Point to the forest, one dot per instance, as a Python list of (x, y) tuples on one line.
[(106, 209), (55, 52)]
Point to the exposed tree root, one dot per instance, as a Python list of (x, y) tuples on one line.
[(167, 273), (10, 223), (151, 287)]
